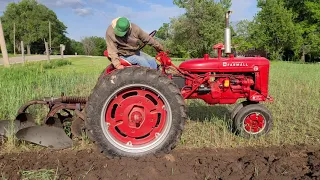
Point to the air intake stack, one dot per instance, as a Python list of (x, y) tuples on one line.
[(227, 35)]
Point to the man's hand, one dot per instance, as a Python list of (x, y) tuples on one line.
[(159, 48), (120, 67)]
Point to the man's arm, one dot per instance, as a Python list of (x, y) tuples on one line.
[(112, 51), (147, 39)]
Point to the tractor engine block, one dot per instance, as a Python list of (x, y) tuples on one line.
[(218, 88)]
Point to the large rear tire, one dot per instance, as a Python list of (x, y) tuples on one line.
[(134, 112)]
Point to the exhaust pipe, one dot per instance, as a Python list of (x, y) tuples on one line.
[(227, 35)]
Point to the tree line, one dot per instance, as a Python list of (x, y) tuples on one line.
[(286, 30), (34, 24), (282, 29)]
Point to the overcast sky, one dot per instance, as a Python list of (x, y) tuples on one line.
[(92, 17)]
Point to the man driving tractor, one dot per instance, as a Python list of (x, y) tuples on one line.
[(124, 40)]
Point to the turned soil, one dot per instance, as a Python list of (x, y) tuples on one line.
[(289, 162)]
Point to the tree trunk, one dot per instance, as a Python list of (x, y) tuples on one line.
[(18, 47), (28, 49), (303, 57)]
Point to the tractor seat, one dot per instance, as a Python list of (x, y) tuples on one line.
[(122, 61)]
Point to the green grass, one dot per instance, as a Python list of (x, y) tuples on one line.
[(12, 55), (295, 87), (9, 55), (43, 174)]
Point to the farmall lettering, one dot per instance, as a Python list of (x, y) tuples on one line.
[(235, 64)]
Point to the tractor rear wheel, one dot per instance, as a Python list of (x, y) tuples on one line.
[(134, 112), (253, 120)]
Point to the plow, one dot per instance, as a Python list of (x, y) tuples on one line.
[(53, 130), (137, 111)]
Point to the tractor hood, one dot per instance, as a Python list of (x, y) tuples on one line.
[(247, 64)]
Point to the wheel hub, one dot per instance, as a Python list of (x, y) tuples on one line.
[(136, 116), (254, 123)]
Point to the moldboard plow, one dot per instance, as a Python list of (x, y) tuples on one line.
[(137, 111), (55, 131)]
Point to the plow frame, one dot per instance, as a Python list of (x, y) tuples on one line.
[(55, 104)]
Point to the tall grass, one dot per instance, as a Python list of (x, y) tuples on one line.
[(22, 83), (295, 87)]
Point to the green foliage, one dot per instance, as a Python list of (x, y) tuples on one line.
[(226, 4), (31, 21), (273, 30), (308, 18), (163, 32), (100, 46), (56, 63), (149, 50), (195, 32), (94, 46), (285, 29), (77, 47), (242, 40)]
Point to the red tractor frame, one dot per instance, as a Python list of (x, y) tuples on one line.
[(137, 110)]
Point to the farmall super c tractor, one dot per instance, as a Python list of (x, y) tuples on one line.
[(138, 111)]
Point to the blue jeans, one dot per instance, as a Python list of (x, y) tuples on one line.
[(141, 59)]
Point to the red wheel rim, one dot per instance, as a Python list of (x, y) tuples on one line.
[(254, 123), (136, 116)]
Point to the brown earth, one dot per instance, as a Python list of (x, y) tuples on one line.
[(289, 162)]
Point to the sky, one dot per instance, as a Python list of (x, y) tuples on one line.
[(92, 17)]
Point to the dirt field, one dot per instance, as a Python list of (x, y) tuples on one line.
[(290, 162)]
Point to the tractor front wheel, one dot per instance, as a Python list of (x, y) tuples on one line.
[(134, 112), (253, 120)]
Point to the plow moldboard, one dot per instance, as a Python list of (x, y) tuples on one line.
[(47, 136), (7, 129)]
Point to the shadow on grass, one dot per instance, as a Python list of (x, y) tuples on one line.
[(200, 112)]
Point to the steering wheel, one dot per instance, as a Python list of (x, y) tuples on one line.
[(152, 35)]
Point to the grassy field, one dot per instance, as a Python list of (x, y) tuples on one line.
[(295, 87), (12, 55)]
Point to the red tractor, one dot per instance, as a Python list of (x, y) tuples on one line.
[(138, 111)]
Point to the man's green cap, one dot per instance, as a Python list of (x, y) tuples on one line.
[(122, 26)]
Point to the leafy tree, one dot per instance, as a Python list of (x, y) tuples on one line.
[(88, 45), (199, 28), (242, 39), (308, 18), (93, 45), (273, 29), (76, 47), (31, 21), (186, 3), (163, 32), (226, 4), (149, 50), (100, 46)]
